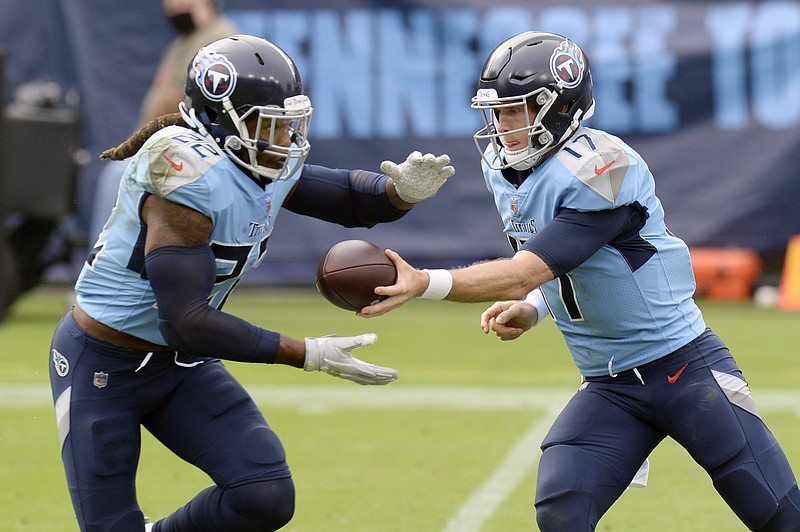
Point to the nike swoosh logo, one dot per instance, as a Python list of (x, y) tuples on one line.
[(599, 171), (176, 166), (672, 378)]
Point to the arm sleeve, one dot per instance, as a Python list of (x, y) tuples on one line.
[(182, 279), (352, 198), (574, 236)]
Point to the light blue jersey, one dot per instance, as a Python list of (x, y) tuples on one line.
[(613, 317), (183, 167)]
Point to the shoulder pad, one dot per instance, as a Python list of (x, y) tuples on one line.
[(598, 162), (177, 158)]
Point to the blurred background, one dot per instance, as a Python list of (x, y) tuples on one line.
[(707, 92)]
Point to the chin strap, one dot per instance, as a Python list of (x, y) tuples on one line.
[(519, 160), (190, 117)]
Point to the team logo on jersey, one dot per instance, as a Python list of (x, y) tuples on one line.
[(61, 363), (100, 379), (567, 64), (256, 228), (214, 74), (525, 226)]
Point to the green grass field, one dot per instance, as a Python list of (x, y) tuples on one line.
[(452, 446)]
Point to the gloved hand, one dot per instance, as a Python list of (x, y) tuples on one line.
[(331, 354), (420, 176)]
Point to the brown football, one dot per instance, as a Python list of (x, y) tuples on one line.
[(349, 272)]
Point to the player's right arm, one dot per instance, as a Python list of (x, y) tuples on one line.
[(181, 269), (501, 279), (172, 224), (563, 245)]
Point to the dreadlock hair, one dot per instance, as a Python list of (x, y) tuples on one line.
[(132, 145)]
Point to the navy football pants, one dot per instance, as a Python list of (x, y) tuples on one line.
[(194, 406), (698, 397)]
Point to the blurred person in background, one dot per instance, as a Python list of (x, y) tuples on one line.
[(196, 22), (592, 249), (144, 342)]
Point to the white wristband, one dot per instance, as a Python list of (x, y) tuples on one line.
[(536, 298), (441, 281)]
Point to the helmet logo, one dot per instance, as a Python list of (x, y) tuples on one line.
[(214, 74), (486, 94), (567, 64)]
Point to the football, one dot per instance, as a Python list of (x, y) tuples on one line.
[(349, 272)]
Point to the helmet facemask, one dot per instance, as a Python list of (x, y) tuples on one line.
[(540, 140), (272, 126)]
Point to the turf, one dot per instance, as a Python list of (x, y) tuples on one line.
[(408, 456)]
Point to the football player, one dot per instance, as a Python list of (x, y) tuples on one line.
[(592, 250), (143, 344)]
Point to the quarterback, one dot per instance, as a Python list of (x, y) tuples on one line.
[(592, 249)]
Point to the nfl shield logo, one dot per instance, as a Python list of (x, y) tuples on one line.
[(100, 379), (515, 201)]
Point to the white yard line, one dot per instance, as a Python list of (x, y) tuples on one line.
[(325, 398), (519, 462), (481, 505), (321, 398)]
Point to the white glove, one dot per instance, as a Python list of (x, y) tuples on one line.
[(420, 176), (331, 354)]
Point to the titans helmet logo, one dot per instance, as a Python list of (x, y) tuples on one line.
[(567, 64), (214, 74)]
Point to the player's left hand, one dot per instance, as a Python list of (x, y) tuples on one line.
[(420, 176), (332, 355), (509, 319)]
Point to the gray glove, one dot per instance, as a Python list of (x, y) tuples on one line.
[(331, 354), (420, 176)]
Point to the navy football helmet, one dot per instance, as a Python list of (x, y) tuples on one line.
[(547, 75), (241, 79)]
